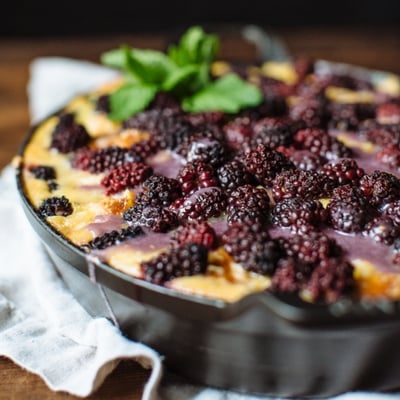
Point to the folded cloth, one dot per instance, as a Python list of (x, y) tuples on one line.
[(42, 327)]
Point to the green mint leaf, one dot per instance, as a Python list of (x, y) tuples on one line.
[(114, 59), (228, 94), (195, 47), (150, 66), (181, 79), (146, 66), (130, 99)]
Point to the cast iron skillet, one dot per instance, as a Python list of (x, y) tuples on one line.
[(264, 343)]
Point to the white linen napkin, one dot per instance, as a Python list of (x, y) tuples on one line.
[(42, 327)]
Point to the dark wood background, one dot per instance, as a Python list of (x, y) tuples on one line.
[(372, 46)]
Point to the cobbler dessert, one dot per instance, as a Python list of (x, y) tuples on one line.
[(286, 178)]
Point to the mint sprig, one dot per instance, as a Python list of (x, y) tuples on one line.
[(184, 71)]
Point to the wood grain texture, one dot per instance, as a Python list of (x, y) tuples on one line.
[(374, 49)]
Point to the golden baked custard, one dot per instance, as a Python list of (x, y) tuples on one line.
[(277, 177)]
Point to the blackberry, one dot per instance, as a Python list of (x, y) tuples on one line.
[(159, 191), (145, 148), (186, 260), (251, 246), (196, 175), (295, 212), (103, 160), (125, 176), (103, 104), (273, 132), (43, 172), (248, 204), (265, 164), (113, 238), (60, 206), (348, 215), (388, 113), (165, 100), (390, 157), (349, 82), (238, 133), (203, 204), (343, 171), (287, 277), (383, 230), (68, 135), (311, 248), (380, 188), (232, 175), (392, 210), (306, 161), (207, 150), (274, 88), (195, 232), (347, 117), (310, 111), (382, 135), (306, 184), (166, 125), (331, 280), (156, 219), (318, 141)]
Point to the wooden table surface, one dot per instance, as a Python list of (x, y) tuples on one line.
[(374, 48)]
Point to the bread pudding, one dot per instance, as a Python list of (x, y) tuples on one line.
[(288, 183)]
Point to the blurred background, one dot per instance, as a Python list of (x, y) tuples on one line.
[(50, 17)]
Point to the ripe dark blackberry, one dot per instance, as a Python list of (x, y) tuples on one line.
[(265, 163), (201, 205), (103, 104), (248, 204), (125, 176), (274, 88), (102, 160), (390, 157), (167, 125), (310, 111), (195, 232), (295, 212), (186, 260), (380, 188), (311, 248), (288, 277), (196, 175), (347, 117), (383, 230), (113, 238), (156, 219), (145, 148), (392, 210), (251, 246), (349, 82), (305, 184), (238, 133), (165, 100), (381, 134), (68, 135), (209, 151), (232, 175), (318, 141), (159, 191), (348, 215), (343, 171), (60, 206), (43, 172), (306, 161), (331, 280), (273, 132)]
